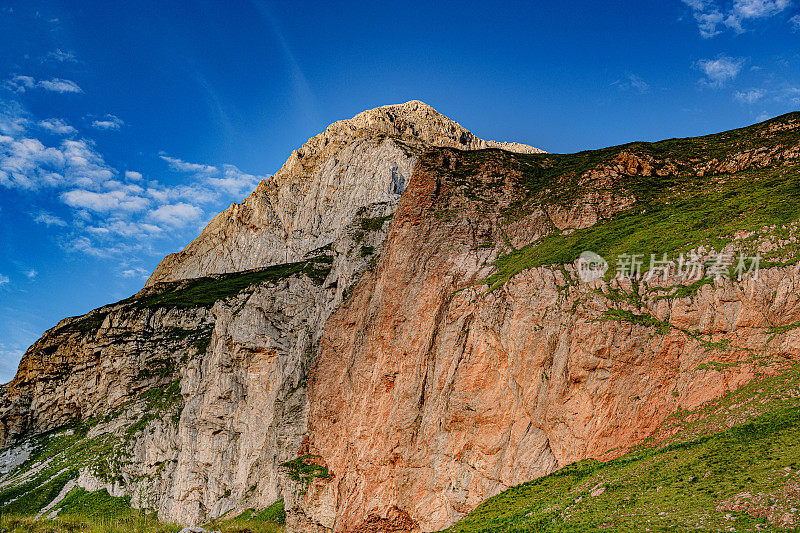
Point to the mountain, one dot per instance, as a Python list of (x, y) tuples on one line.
[(400, 325)]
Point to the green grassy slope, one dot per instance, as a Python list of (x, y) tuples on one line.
[(731, 465), (97, 512), (685, 201)]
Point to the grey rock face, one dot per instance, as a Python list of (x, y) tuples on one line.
[(354, 163)]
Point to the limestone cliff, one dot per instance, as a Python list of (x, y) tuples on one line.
[(352, 164)]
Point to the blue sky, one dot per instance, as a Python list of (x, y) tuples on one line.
[(124, 129)]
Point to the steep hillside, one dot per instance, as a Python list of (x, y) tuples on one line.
[(186, 397), (693, 474), (473, 358)]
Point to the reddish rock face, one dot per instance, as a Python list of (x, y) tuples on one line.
[(431, 394)]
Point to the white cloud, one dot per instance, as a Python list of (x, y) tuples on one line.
[(29, 164), (795, 22), (4, 280), (83, 164), (229, 179), (57, 126), (84, 245), (110, 122), (721, 70), (136, 272), (708, 23), (180, 165), (176, 215), (31, 274), (21, 84), (61, 56), (114, 214), (234, 182), (712, 17), (48, 219), (60, 86), (103, 202), (124, 228), (14, 119), (632, 81), (792, 95), (196, 193), (751, 96), (754, 9), (783, 95)]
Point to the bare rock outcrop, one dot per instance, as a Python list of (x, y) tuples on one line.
[(354, 163)]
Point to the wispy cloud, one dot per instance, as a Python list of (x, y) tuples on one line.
[(750, 96), (781, 94), (795, 22), (302, 89), (109, 122), (176, 215), (634, 82), (61, 56), (754, 9), (721, 70), (28, 164), (707, 15), (13, 118), (103, 202), (22, 84), (57, 126), (792, 95), (4, 280), (180, 165), (136, 272), (31, 274), (49, 219), (113, 213), (60, 86), (712, 17), (228, 179)]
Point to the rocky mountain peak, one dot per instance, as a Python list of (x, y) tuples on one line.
[(415, 119), (354, 163)]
